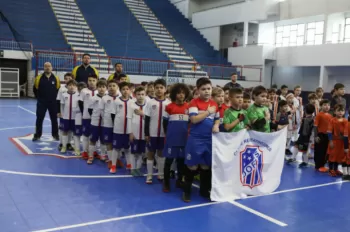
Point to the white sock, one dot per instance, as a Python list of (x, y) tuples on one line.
[(128, 157), (345, 171), (64, 140), (85, 143), (70, 136), (77, 143), (150, 167), (288, 143), (114, 157), (305, 157), (160, 164), (295, 152), (110, 154), (60, 134), (138, 160), (173, 166), (132, 159), (91, 150), (103, 149)]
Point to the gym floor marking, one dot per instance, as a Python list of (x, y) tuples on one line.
[(31, 112)]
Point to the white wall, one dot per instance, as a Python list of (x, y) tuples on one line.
[(335, 21), (182, 6), (267, 33), (18, 55), (339, 74), (236, 13), (307, 77), (251, 55), (235, 31), (301, 8), (202, 5), (326, 54), (212, 34)]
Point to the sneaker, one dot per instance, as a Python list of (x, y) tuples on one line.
[(113, 169), (149, 179), (332, 173), (36, 138), (186, 197), (70, 147), (120, 163), (90, 160), (172, 174), (63, 150), (166, 187), (85, 155), (139, 172), (288, 152), (128, 166), (339, 173), (160, 177), (303, 164), (60, 146), (77, 152), (290, 161), (323, 169), (96, 155), (134, 173)]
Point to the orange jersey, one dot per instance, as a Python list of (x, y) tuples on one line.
[(339, 129), (321, 122)]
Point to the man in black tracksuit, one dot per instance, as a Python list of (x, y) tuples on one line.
[(45, 89)]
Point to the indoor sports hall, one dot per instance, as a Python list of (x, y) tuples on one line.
[(278, 44)]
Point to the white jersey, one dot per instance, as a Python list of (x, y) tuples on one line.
[(122, 111), (85, 96), (155, 109), (148, 98), (137, 121), (62, 90), (69, 105), (297, 103), (107, 108), (96, 116)]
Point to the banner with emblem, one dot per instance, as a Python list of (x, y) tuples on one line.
[(246, 163)]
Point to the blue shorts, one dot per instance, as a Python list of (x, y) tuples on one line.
[(121, 141), (173, 152), (86, 127), (78, 131), (107, 135), (198, 151), (61, 124), (96, 134), (138, 146), (67, 125), (156, 143)]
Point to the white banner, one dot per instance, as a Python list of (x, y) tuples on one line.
[(246, 163)]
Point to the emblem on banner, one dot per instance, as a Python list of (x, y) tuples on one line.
[(251, 166)]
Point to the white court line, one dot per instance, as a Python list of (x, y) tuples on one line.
[(31, 112), (126, 217), (20, 127), (257, 213)]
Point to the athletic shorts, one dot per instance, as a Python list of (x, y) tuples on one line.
[(87, 127), (67, 125), (173, 152), (121, 141), (156, 143), (138, 146), (78, 131), (198, 151), (96, 134), (107, 134)]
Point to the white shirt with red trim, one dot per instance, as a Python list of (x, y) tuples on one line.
[(96, 116), (107, 108), (85, 96), (137, 121), (122, 111), (155, 109), (70, 106)]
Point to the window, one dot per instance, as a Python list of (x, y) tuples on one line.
[(335, 33), (290, 35), (347, 31), (314, 34)]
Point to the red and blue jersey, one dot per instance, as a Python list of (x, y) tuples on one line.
[(177, 116), (204, 128)]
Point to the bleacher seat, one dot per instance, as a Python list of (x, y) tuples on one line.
[(183, 31), (117, 29), (34, 21)]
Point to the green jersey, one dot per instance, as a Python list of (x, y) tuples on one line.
[(255, 112), (231, 115)]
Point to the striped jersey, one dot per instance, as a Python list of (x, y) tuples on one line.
[(155, 109), (107, 108), (122, 121), (69, 105), (177, 129), (137, 121), (85, 96)]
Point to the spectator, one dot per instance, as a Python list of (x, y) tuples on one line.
[(83, 71), (45, 89), (118, 71), (233, 83), (235, 43)]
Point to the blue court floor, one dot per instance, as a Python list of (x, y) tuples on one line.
[(41, 191)]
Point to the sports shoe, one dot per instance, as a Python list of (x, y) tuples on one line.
[(60, 146), (134, 173), (160, 177), (290, 161), (128, 166), (96, 155), (139, 172), (70, 147), (332, 173), (149, 179), (103, 157), (120, 163), (63, 149), (303, 164), (323, 169), (113, 169), (339, 173), (77, 152), (36, 138), (85, 155), (186, 197), (288, 152), (90, 160), (166, 187)]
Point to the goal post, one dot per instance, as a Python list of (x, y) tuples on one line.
[(183, 76)]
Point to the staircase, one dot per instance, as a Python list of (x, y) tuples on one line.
[(160, 35), (77, 32)]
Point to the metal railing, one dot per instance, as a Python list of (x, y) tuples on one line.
[(11, 44)]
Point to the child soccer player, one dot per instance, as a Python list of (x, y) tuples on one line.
[(227, 102), (258, 114), (346, 162), (247, 101), (63, 89), (107, 108), (154, 131), (298, 104), (218, 96), (137, 136), (96, 120), (150, 91), (123, 78), (69, 106), (339, 91), (338, 141), (121, 117), (284, 92), (292, 126), (305, 132), (284, 117), (319, 95), (313, 101), (84, 103), (234, 118), (322, 120), (175, 125), (78, 122), (205, 119)]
